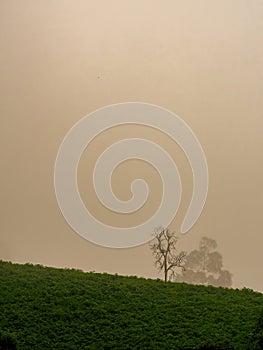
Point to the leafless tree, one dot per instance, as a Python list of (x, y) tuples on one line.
[(165, 253)]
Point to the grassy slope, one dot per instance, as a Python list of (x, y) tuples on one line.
[(48, 308)]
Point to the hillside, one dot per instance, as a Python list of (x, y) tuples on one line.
[(48, 308)]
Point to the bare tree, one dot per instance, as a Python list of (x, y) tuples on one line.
[(165, 253)]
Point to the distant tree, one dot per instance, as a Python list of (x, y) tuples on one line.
[(205, 266), (165, 253)]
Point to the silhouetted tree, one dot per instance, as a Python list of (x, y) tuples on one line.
[(165, 253)]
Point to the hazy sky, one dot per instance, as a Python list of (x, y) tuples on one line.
[(60, 60)]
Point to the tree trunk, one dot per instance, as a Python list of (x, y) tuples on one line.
[(165, 269)]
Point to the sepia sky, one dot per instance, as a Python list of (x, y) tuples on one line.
[(61, 60)]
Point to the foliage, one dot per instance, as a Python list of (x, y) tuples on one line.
[(48, 308), (258, 334), (7, 341), (205, 266)]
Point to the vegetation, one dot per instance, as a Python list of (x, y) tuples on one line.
[(47, 308), (7, 342), (258, 334), (205, 266)]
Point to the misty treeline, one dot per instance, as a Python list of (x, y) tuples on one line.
[(205, 266), (200, 266)]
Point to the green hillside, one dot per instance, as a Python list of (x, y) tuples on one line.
[(48, 308)]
